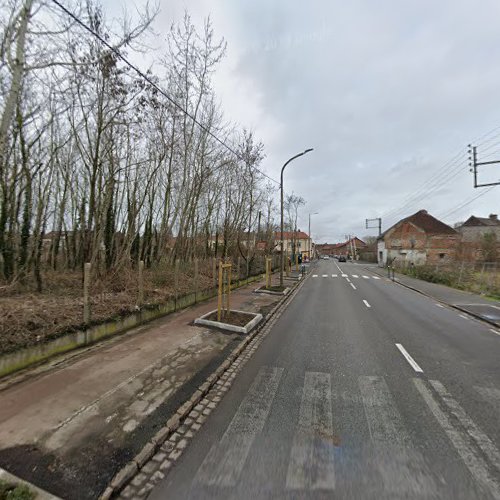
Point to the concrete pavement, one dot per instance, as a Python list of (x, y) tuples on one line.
[(362, 389)]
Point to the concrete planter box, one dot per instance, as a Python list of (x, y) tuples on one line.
[(271, 292), (257, 318)]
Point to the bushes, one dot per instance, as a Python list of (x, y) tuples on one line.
[(11, 491)]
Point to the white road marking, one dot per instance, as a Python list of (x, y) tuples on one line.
[(348, 280), (355, 276), (474, 462), (406, 475), (366, 277), (325, 275), (353, 286), (334, 275), (344, 276), (311, 459), (463, 316), (482, 440), (224, 462), (439, 305), (410, 360), (315, 275), (494, 331), (384, 422), (376, 277), (366, 303)]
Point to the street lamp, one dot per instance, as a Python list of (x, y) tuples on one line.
[(310, 239), (281, 188)]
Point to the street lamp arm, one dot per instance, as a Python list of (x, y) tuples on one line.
[(281, 190)]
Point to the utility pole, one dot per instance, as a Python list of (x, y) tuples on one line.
[(369, 224), (473, 164), (310, 238)]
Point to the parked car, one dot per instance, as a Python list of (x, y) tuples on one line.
[(342, 258)]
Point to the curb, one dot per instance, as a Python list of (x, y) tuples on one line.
[(257, 318), (125, 475), (39, 493), (476, 316)]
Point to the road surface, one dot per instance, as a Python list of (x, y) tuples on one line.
[(362, 389)]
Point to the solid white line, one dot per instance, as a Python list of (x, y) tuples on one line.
[(409, 359), (353, 286), (311, 465), (366, 303), (494, 331), (439, 305), (475, 462), (355, 276), (463, 316)]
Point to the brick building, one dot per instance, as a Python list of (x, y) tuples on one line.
[(473, 232), (418, 239)]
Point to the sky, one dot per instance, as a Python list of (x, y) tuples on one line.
[(388, 93)]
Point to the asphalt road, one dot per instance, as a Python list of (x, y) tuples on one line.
[(363, 389)]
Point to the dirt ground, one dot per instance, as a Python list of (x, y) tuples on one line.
[(28, 317)]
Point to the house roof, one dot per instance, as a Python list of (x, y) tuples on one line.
[(289, 235), (426, 222), (482, 221)]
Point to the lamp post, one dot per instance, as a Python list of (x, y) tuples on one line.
[(310, 239), (281, 189)]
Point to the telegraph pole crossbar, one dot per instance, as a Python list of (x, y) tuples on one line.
[(473, 164)]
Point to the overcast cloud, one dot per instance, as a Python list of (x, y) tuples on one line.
[(386, 92)]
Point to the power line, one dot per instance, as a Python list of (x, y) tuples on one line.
[(467, 202), (153, 84)]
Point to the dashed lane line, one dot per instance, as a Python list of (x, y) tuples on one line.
[(408, 358), (352, 284), (366, 303)]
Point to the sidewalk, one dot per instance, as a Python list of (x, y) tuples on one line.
[(68, 429), (473, 304)]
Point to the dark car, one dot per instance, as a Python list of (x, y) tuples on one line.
[(341, 258)]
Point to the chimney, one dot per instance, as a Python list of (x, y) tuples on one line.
[(493, 217)]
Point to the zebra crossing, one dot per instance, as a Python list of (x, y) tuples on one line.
[(344, 275), (311, 461)]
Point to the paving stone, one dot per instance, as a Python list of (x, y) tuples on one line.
[(194, 414), (159, 457), (128, 492), (175, 454), (144, 491), (199, 407), (157, 476), (211, 405), (181, 445), (195, 426), (201, 419), (139, 479), (189, 434), (150, 467), (188, 421), (165, 465), (174, 437), (168, 446), (207, 412)]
